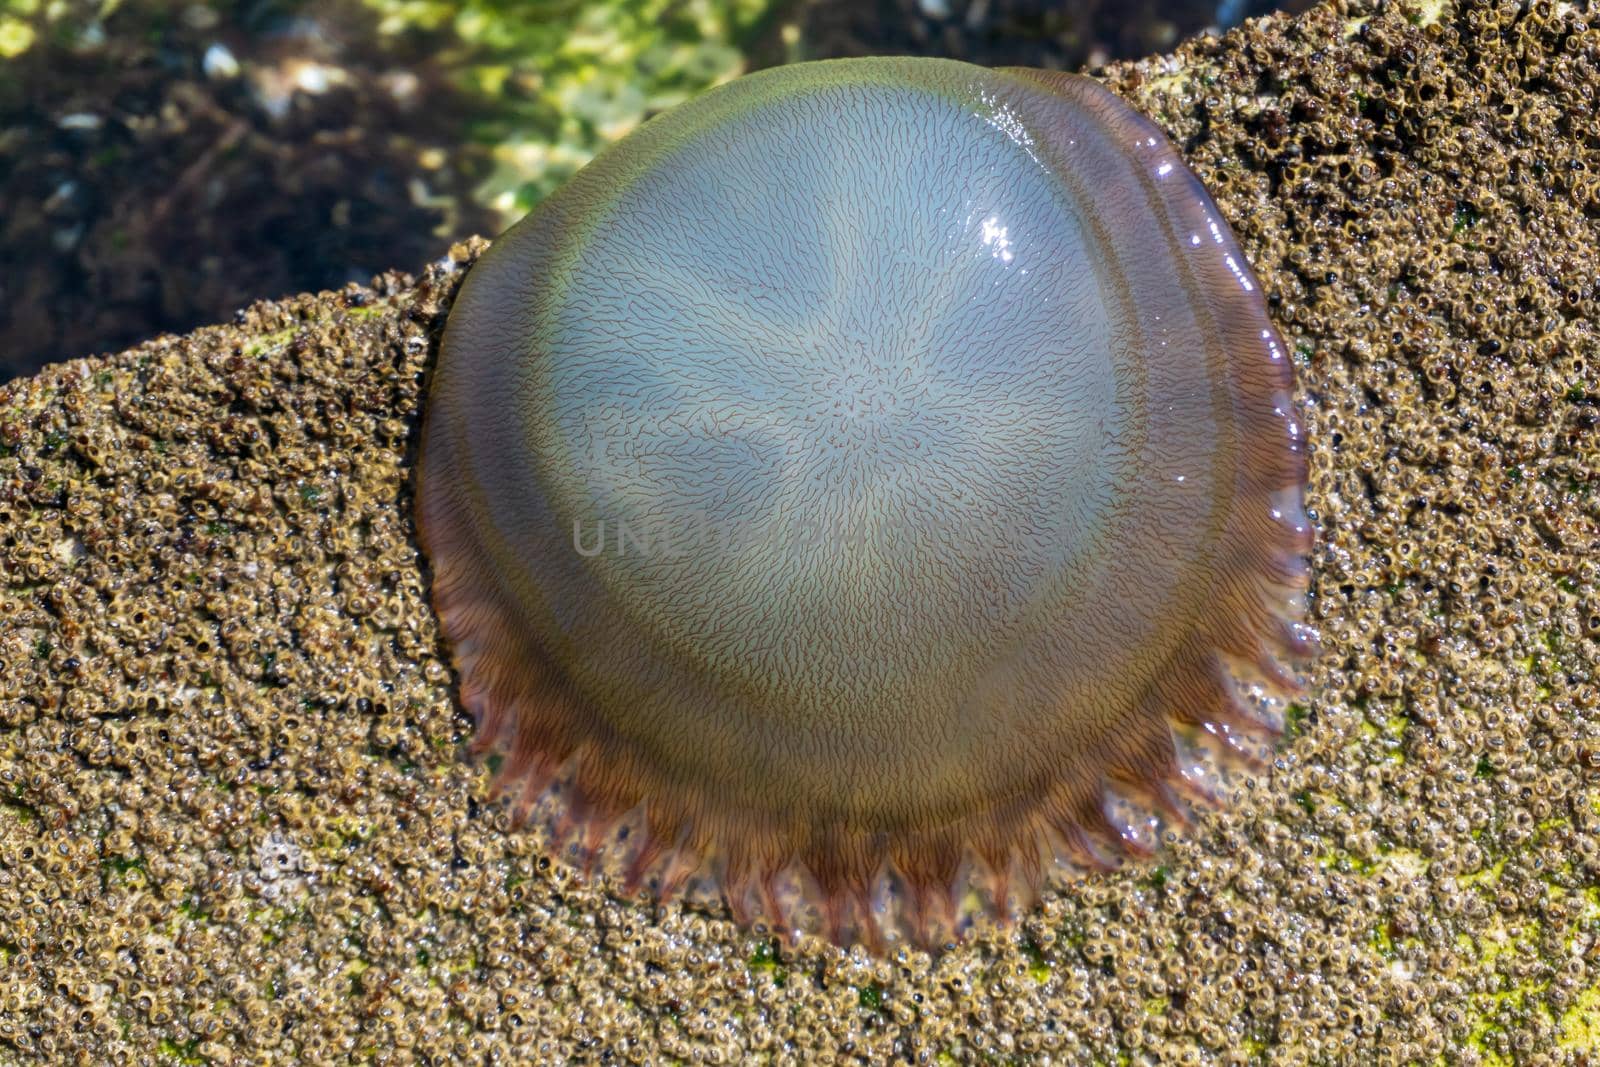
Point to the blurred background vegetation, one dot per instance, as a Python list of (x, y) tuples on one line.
[(162, 164)]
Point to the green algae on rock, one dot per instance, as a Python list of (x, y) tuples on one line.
[(234, 825)]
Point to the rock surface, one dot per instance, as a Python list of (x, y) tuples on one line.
[(235, 824)]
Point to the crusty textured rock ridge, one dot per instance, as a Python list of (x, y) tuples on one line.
[(234, 821)]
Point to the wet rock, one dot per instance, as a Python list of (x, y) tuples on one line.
[(235, 823)]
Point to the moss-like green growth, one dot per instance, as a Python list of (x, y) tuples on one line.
[(568, 79), (1450, 922)]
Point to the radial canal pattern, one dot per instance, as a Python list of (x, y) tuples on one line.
[(869, 482)]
